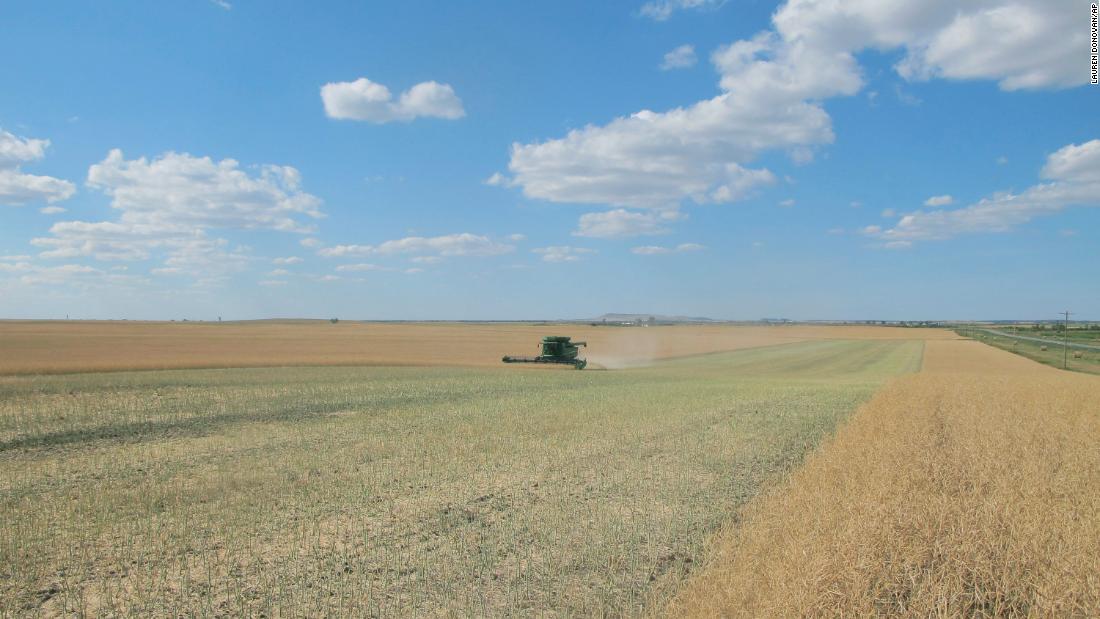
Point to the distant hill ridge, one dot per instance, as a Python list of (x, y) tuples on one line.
[(658, 317)]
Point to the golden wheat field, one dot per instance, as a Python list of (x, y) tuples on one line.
[(969, 489), (87, 346)]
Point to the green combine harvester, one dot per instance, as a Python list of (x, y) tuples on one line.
[(555, 349)]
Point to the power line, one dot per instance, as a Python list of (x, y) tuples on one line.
[(1065, 342)]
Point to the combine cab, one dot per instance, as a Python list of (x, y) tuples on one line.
[(555, 349)]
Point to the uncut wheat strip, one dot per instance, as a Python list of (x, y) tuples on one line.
[(942, 495)]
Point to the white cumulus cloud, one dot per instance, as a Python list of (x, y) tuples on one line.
[(18, 188), (15, 150), (661, 10), (939, 200), (1035, 45), (15, 266), (464, 244), (621, 223), (1018, 43), (179, 189), (680, 58), (60, 274), (360, 267), (363, 99), (498, 180), (562, 253), (169, 204), (699, 152), (650, 250), (656, 250), (1072, 176), (111, 240), (80, 276), (1075, 163), (772, 87)]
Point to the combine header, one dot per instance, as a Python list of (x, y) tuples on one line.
[(555, 349)]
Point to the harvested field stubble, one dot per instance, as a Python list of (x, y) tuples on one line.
[(399, 491), (971, 489)]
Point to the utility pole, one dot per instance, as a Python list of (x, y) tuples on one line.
[(1065, 342)]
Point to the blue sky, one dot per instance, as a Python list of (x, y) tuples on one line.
[(477, 160)]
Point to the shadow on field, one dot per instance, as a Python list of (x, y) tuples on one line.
[(205, 425)]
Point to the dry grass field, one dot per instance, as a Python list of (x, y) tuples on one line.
[(1048, 353), (401, 491), (969, 489), (31, 347)]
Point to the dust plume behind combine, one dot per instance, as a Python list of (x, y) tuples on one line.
[(623, 348)]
